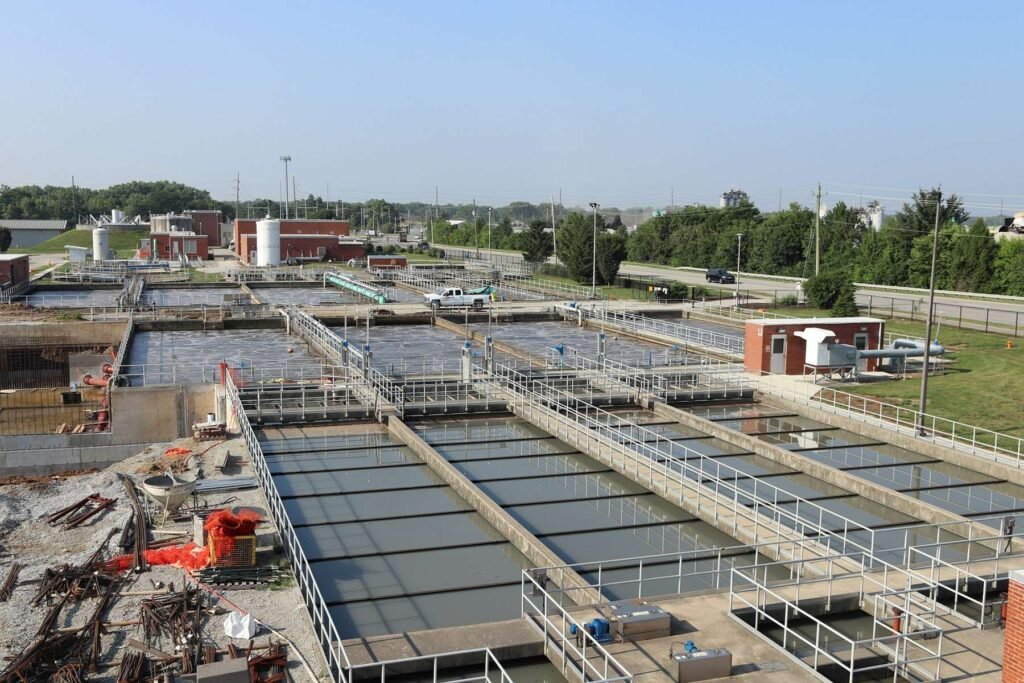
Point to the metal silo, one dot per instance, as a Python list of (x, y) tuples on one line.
[(100, 245), (268, 243)]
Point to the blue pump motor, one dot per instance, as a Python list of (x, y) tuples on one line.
[(690, 647)]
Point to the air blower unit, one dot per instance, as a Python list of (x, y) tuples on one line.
[(599, 629), (638, 620)]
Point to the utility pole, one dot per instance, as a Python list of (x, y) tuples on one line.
[(295, 197), (593, 265), (928, 323), (739, 251), (476, 231), (488, 228), (817, 231), (554, 232), (436, 207), (285, 158), (238, 191), (74, 200), (672, 200)]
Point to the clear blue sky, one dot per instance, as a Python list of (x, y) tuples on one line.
[(612, 101)]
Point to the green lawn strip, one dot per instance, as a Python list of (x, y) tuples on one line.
[(980, 387), (123, 242)]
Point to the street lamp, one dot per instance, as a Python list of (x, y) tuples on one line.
[(488, 227), (739, 247), (285, 158), (593, 265)]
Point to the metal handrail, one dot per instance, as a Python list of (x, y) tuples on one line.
[(577, 649), (490, 660), (632, 322), (710, 478), (323, 623), (997, 446), (894, 643)]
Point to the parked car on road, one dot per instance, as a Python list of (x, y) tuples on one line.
[(720, 275)]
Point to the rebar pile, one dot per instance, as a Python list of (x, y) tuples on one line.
[(78, 513), (131, 667), (140, 536), (176, 616), (269, 667), (10, 582)]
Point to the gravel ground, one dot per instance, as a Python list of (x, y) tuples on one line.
[(26, 537)]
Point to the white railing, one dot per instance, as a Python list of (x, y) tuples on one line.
[(488, 670), (184, 372), (578, 650), (323, 623), (652, 457), (631, 322), (984, 443), (918, 646), (8, 293)]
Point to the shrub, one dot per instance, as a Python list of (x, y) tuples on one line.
[(823, 290)]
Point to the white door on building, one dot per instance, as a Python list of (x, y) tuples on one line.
[(860, 340), (778, 364)]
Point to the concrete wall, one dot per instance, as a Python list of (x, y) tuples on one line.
[(140, 416), (519, 535), (978, 463), (75, 332)]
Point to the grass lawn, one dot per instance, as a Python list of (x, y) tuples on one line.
[(981, 387), (612, 292), (123, 242)]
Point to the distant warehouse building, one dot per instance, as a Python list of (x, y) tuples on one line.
[(29, 232)]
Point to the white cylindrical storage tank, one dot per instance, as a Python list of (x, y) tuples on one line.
[(268, 243), (100, 245), (117, 216)]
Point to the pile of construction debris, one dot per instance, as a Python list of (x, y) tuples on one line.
[(84, 596)]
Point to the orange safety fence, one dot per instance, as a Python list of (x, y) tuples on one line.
[(187, 556), (224, 526), (177, 450)]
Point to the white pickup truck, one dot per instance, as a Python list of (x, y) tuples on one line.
[(454, 297)]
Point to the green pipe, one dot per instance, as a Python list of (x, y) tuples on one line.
[(355, 286)]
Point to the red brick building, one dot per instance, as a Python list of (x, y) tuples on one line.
[(206, 222), (387, 262), (771, 346), (289, 226), (169, 245), (13, 269), (303, 247)]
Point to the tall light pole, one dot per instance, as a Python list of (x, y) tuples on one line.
[(285, 158), (928, 324), (739, 251), (593, 265), (488, 227), (476, 231)]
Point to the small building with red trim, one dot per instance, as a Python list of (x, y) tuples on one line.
[(14, 269), (771, 346)]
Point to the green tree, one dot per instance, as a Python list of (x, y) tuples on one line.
[(970, 264), (823, 290), (5, 239), (536, 242), (576, 243), (1009, 267), (611, 250), (846, 303)]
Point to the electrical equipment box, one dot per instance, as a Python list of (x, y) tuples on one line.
[(703, 665), (638, 620)]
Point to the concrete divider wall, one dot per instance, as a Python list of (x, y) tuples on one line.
[(876, 493), (72, 331), (528, 544), (978, 463)]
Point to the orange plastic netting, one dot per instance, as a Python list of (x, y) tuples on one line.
[(188, 556), (224, 526)]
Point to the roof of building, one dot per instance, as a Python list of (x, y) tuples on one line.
[(32, 224), (12, 257), (813, 322)]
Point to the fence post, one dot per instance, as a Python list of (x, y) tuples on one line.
[(987, 311)]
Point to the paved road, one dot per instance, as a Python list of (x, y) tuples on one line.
[(991, 315)]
